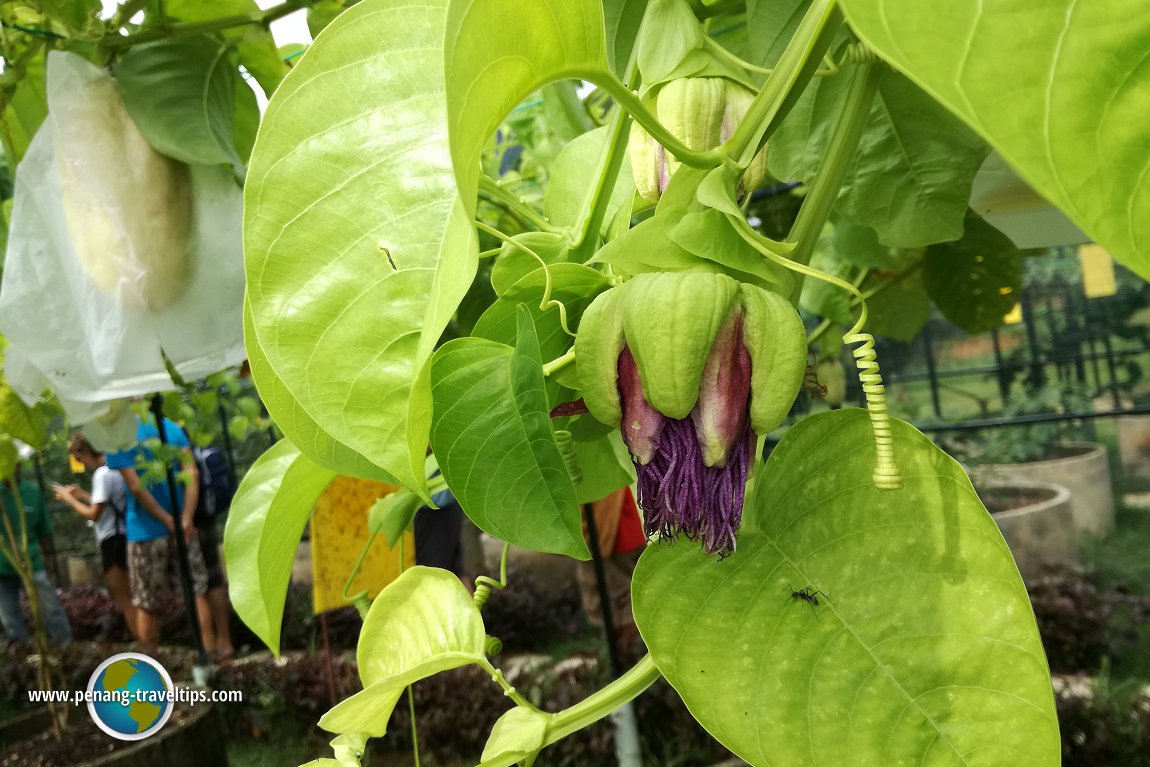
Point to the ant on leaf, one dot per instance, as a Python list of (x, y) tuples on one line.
[(808, 596)]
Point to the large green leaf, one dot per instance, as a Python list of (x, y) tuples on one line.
[(901, 309), (422, 623), (911, 176), (976, 281), (254, 43), (770, 25), (498, 51), (358, 249), (922, 648), (493, 438), (1060, 88), (180, 92), (19, 421), (26, 109), (622, 18), (296, 424), (265, 523), (573, 174)]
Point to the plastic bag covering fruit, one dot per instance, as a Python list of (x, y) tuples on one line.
[(128, 208), (702, 112), (66, 328), (691, 366)]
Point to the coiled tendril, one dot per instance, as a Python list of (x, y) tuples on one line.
[(886, 475), (566, 444), (858, 53), (547, 301), (484, 584)]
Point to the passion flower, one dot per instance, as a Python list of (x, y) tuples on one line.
[(702, 112), (691, 367)]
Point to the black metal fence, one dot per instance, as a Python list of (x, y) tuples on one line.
[(1067, 357)]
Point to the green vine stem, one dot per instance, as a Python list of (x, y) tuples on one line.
[(484, 584), (414, 726), (743, 64), (603, 702), (498, 194), (595, 206), (508, 689), (186, 28), (824, 189), (546, 302), (796, 66), (559, 363), (629, 101)]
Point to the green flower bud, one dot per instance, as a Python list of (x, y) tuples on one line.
[(702, 112), (773, 334), (737, 101), (670, 322), (597, 348)]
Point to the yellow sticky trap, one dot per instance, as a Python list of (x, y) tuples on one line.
[(1014, 316), (338, 535), (75, 466), (1097, 271)]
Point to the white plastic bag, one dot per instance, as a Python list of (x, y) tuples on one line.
[(96, 284)]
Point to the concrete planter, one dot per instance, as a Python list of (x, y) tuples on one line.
[(1083, 469), (84, 571), (1041, 532)]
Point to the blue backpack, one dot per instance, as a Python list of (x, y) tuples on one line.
[(216, 484)]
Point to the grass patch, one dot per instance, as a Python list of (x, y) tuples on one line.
[(1120, 563), (1121, 559)]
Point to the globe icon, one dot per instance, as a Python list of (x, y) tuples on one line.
[(130, 696)]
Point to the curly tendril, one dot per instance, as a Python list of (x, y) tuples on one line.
[(566, 444), (484, 584), (886, 475), (547, 302)]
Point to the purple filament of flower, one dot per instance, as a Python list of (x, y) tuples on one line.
[(681, 494)]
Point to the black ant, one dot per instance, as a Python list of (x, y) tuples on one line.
[(808, 596)]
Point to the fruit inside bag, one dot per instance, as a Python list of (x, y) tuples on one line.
[(115, 252)]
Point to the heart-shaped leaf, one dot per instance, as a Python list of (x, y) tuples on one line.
[(181, 94), (911, 175), (422, 623), (266, 520), (357, 248), (493, 438), (498, 51), (854, 625)]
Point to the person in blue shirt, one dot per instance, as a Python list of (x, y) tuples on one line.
[(153, 559)]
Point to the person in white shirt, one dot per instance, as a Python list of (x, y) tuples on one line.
[(106, 508)]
